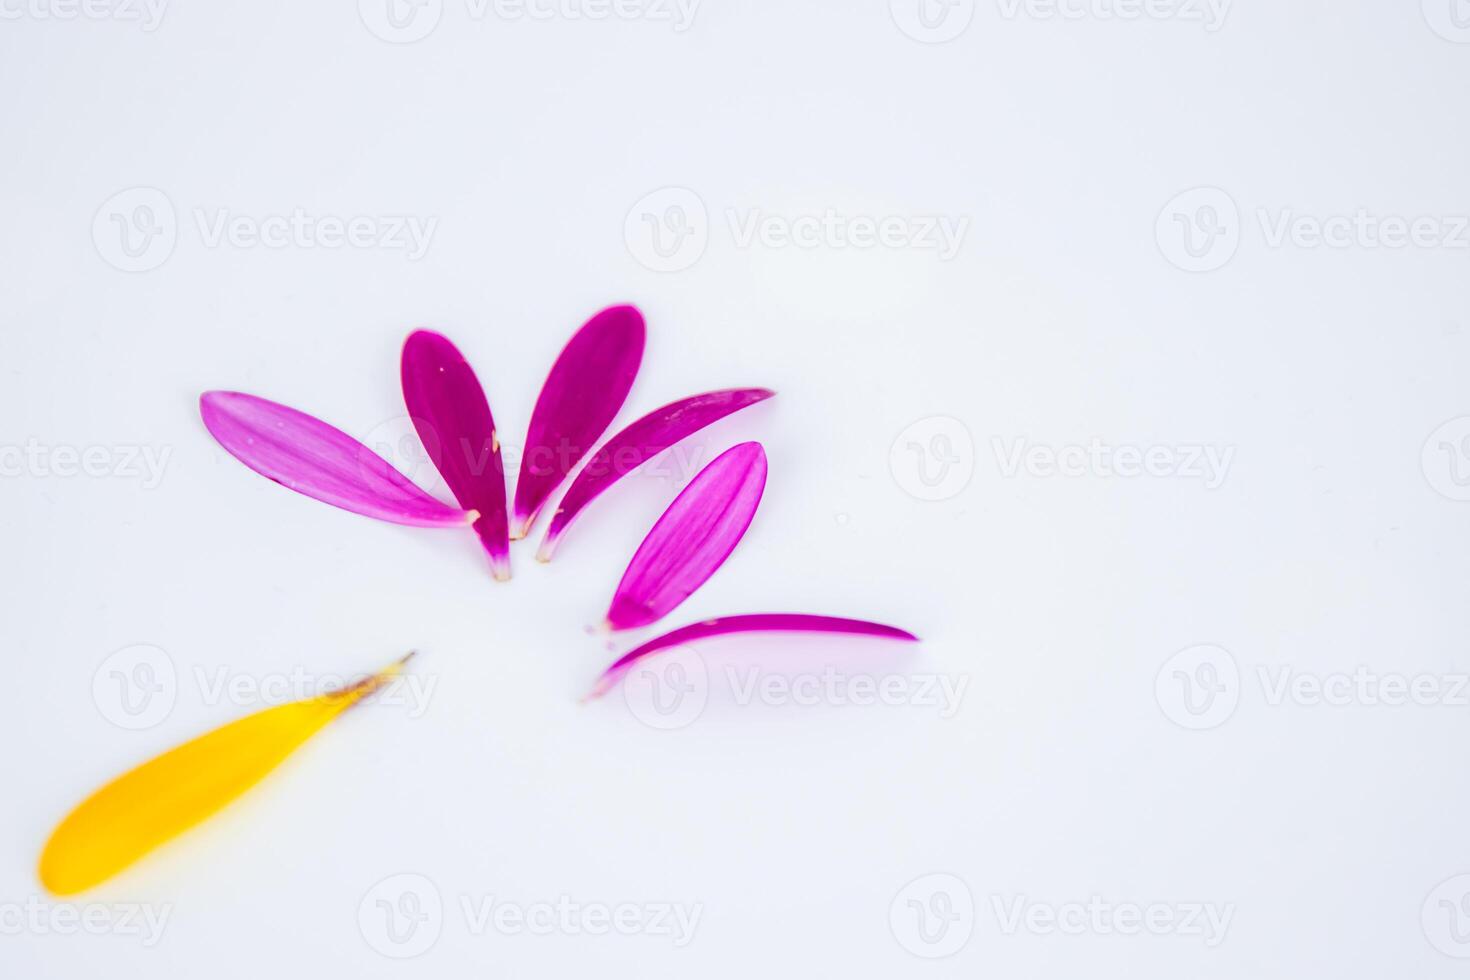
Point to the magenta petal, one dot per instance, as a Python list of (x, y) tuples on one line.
[(639, 443), (453, 420), (692, 538), (584, 391), (752, 623), (313, 458)]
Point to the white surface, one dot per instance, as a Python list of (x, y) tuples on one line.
[(1330, 834)]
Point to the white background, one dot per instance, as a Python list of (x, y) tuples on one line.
[(1074, 768)]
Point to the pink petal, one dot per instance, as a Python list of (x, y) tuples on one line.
[(584, 391), (453, 420), (692, 538), (639, 443), (752, 623), (313, 458)]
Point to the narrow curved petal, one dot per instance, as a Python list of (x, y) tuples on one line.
[(164, 797), (752, 623), (313, 458), (639, 443), (452, 417), (586, 387), (692, 539)]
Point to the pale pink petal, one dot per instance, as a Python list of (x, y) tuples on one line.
[(692, 539), (313, 458)]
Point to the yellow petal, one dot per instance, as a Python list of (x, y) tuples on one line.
[(165, 796)]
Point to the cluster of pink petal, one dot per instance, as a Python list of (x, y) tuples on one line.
[(582, 395)]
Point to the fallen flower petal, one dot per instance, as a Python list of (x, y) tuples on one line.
[(637, 444), (586, 387), (164, 797), (313, 458), (692, 539), (453, 420), (751, 623)]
